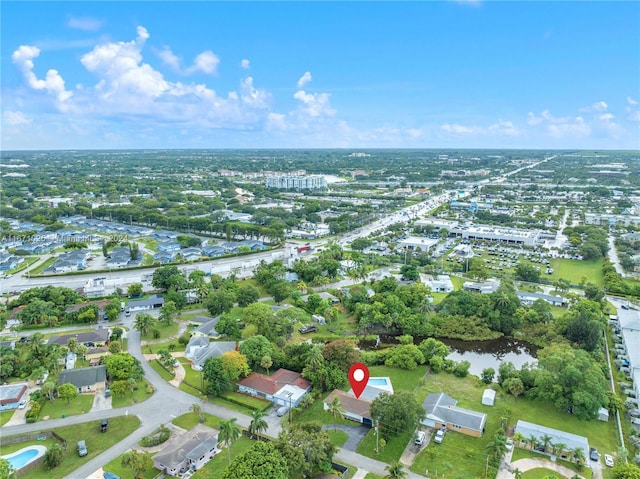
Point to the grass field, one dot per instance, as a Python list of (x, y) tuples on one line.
[(56, 409), (5, 416), (219, 463), (371, 475), (41, 267), (338, 438), (468, 454), (165, 330), (574, 270), (401, 379), (115, 468), (188, 420), (391, 451), (119, 428), (164, 374), (154, 348), (540, 473), (139, 395)]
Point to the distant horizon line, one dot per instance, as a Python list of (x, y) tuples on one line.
[(2, 151)]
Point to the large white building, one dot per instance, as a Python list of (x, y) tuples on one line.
[(493, 233), (291, 182), (605, 219)]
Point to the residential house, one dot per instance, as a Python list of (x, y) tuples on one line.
[(191, 254), (11, 395), (324, 295), (207, 326), (188, 452), (486, 287), (155, 301), (97, 337), (442, 284), (94, 355), (169, 247), (9, 261), (441, 411), (283, 388), (358, 409), (85, 379), (164, 257), (255, 245), (213, 251), (528, 299), (570, 441), (200, 348)]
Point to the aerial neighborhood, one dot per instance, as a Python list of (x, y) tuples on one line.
[(202, 322)]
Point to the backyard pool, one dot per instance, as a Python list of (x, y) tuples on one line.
[(377, 382), (24, 456)]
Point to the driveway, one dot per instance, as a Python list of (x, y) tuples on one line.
[(355, 433), (534, 463), (101, 403)]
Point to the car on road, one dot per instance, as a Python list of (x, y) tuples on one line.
[(608, 460), (594, 455), (82, 448), (439, 436)]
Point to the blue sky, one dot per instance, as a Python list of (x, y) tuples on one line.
[(450, 74)]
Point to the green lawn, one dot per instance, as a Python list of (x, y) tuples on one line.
[(188, 420), (371, 475), (115, 468), (139, 395), (165, 330), (391, 451), (574, 270), (164, 374), (55, 409), (468, 454), (44, 265), (219, 463), (540, 473), (119, 428), (5, 416), (401, 379), (154, 348), (338, 438), (316, 413)]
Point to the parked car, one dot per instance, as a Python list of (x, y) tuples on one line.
[(439, 436), (104, 424), (82, 448), (107, 392), (509, 444), (282, 411), (23, 404), (419, 438), (608, 460), (594, 455)]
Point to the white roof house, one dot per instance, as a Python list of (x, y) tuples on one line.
[(488, 397)]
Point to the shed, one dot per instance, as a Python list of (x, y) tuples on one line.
[(603, 414), (488, 397)]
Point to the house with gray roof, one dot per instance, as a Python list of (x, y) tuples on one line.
[(207, 326), (199, 348), (155, 301), (188, 452), (569, 441), (98, 337), (528, 298), (441, 411), (85, 379)]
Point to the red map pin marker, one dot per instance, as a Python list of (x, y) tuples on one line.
[(358, 378)]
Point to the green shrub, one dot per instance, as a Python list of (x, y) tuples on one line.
[(158, 437)]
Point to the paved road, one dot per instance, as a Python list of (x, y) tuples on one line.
[(355, 433)]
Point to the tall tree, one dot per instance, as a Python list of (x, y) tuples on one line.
[(258, 423), (395, 413), (215, 375), (67, 391), (336, 410), (396, 471), (229, 433), (261, 461), (137, 462), (143, 323)]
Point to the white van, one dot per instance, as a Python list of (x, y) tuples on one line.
[(419, 438)]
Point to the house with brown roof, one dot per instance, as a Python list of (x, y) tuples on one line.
[(283, 388), (11, 395), (355, 409)]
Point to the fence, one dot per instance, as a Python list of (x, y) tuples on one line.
[(33, 437)]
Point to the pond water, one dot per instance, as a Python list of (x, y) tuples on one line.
[(492, 353)]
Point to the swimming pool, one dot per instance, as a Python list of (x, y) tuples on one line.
[(24, 456), (377, 382)]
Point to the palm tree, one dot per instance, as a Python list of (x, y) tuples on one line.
[(229, 432), (143, 323), (36, 345), (315, 360), (578, 456), (518, 438), (258, 424), (302, 287), (336, 410), (558, 448), (546, 440), (197, 410), (396, 471), (517, 473), (533, 441)]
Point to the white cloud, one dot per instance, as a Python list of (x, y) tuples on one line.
[(315, 104), (500, 128), (53, 82), (596, 107), (251, 96), (84, 23), (631, 101), (206, 62), (561, 127), (169, 59), (245, 64), (458, 129), (632, 109), (304, 79), (14, 118)]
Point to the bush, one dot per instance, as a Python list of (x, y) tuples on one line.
[(184, 339), (158, 437), (33, 412)]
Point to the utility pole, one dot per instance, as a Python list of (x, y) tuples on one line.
[(377, 433)]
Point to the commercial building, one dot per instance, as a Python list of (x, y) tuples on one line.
[(502, 235), (604, 219), (290, 182)]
